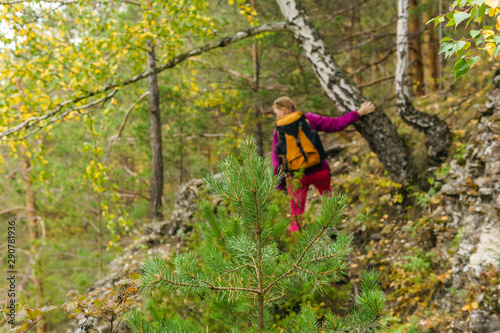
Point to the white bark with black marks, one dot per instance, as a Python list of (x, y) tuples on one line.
[(437, 131), (376, 128), (402, 53)]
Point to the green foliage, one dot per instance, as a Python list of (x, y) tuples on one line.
[(107, 305), (140, 324), (26, 317), (485, 38), (241, 262), (411, 327)]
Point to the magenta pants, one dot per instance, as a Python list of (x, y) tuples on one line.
[(320, 180)]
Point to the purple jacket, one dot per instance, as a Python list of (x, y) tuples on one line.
[(320, 124)]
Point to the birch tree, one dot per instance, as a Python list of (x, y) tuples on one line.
[(377, 129), (436, 129)]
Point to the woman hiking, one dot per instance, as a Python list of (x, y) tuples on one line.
[(296, 145)]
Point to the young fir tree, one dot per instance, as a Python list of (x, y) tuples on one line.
[(241, 260)]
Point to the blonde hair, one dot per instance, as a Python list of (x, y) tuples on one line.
[(287, 103)]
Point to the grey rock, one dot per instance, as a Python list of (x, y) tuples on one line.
[(483, 322)]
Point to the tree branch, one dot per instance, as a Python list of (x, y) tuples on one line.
[(382, 79), (342, 11), (291, 270), (113, 139), (208, 285), (36, 120), (8, 210), (369, 31), (281, 26), (366, 42), (14, 2), (381, 60), (206, 135), (228, 70)]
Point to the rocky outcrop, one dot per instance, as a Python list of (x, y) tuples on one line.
[(472, 200), (473, 194)]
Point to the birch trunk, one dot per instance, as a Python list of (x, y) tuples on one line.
[(376, 128), (436, 130)]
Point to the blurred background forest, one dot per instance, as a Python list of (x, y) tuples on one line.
[(81, 185)]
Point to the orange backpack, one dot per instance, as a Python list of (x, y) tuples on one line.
[(299, 145)]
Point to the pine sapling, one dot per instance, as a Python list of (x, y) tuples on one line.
[(241, 261)]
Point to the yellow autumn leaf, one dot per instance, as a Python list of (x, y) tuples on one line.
[(498, 23), (474, 305), (491, 3), (490, 48), (488, 34)]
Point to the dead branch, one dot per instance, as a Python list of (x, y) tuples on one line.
[(8, 210), (115, 137), (382, 79)]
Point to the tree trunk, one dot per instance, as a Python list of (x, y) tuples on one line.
[(33, 234), (430, 49), (255, 89), (376, 128), (99, 235), (155, 130), (436, 130), (356, 53), (441, 56), (181, 150), (30, 204), (416, 49), (403, 87)]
